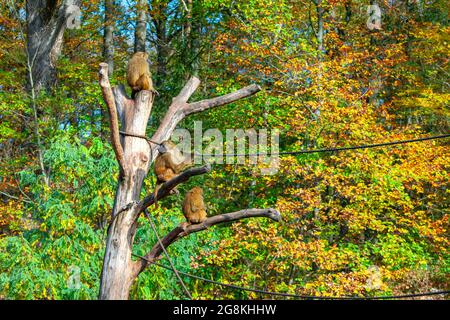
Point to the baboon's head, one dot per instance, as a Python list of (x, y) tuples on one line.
[(141, 55), (166, 146), (197, 190)]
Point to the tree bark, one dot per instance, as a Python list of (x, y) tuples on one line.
[(192, 39), (132, 154), (46, 22), (141, 26), (162, 44), (45, 25), (320, 31), (108, 36)]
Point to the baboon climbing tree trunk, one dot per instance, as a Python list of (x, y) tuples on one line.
[(134, 157)]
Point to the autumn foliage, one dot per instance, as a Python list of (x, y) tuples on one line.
[(360, 223)]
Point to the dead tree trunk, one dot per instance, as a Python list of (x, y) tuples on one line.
[(46, 22), (134, 157)]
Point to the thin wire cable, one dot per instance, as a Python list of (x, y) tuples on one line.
[(337, 149), (290, 295), (139, 136), (173, 269)]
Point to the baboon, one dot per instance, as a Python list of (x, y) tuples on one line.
[(194, 207), (168, 164), (138, 74)]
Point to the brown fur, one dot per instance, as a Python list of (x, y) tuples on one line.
[(138, 74), (194, 207), (168, 164)]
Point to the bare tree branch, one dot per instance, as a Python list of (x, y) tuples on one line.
[(187, 91), (179, 108), (222, 100), (108, 96), (14, 197), (180, 231), (174, 114)]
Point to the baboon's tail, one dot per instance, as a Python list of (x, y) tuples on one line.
[(155, 194)]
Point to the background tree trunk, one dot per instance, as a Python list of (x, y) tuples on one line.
[(141, 26), (46, 22), (45, 25), (108, 50), (162, 48), (108, 36)]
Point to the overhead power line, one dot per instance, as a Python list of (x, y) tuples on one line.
[(290, 295), (322, 150), (337, 149)]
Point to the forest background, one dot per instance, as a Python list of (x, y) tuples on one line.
[(363, 223)]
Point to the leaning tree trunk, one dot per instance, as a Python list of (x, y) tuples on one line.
[(134, 155), (46, 22)]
